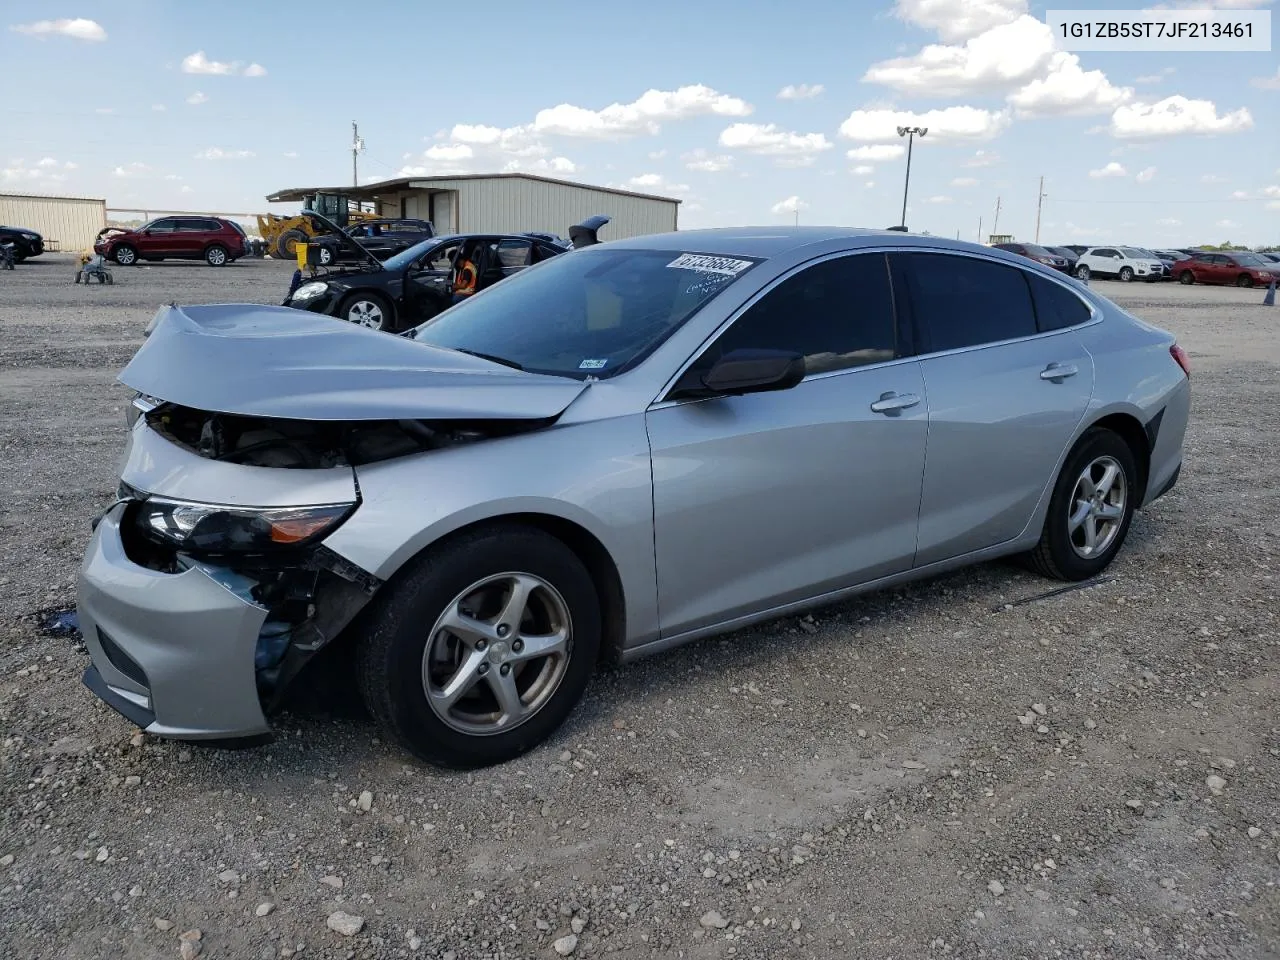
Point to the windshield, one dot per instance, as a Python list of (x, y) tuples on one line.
[(1249, 259), (1036, 251), (407, 256), (590, 313)]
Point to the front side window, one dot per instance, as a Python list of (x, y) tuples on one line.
[(163, 225), (592, 313), (836, 314), (960, 301)]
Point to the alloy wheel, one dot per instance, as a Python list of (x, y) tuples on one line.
[(497, 654), (1097, 507), (366, 313)]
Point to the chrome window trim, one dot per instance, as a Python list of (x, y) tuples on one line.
[(1095, 317)]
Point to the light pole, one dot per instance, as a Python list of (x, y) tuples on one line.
[(910, 134)]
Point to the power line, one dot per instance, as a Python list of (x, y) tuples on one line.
[(1179, 200)]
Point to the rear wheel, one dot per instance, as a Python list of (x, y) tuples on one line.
[(125, 255), (368, 310), (287, 244), (1244, 280), (481, 648), (1126, 274), (1187, 278), (1092, 507), (216, 256)]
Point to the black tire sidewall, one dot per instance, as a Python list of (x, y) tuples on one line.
[(1187, 277), (391, 656), (1096, 443)]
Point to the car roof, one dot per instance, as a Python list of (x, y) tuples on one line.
[(765, 242)]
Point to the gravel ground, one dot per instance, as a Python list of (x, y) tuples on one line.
[(943, 770)]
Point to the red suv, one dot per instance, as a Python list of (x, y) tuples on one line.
[(212, 239), (1243, 269)]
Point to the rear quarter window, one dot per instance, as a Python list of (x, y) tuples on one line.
[(1056, 307)]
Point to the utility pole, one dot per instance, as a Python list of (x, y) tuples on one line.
[(910, 134), (979, 229), (356, 146), (1039, 202), (995, 224)]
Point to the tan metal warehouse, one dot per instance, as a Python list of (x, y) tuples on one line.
[(66, 223), (502, 202)]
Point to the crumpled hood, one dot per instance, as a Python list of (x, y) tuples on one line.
[(279, 362)]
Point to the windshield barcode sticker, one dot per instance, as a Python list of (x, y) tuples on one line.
[(592, 364), (708, 264)]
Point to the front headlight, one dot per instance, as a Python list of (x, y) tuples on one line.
[(309, 291), (215, 528)]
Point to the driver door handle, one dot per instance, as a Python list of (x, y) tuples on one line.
[(1059, 371), (891, 403)]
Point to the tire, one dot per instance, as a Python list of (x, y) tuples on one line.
[(1059, 554), (1082, 271), (286, 242), (370, 310), (394, 670), (1244, 280), (216, 256), (1186, 278), (125, 255), (1126, 274)]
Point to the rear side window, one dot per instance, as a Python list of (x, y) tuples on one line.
[(1056, 307), (837, 314), (960, 301)]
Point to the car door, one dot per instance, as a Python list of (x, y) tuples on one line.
[(427, 289), (156, 239), (1104, 261), (1006, 392), (763, 499)]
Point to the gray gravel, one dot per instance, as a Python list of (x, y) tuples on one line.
[(932, 771)]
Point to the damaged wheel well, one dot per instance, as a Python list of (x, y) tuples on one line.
[(592, 553)]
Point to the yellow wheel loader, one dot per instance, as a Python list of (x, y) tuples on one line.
[(283, 234)]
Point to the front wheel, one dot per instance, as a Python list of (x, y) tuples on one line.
[(1092, 507), (1126, 274), (366, 310), (216, 256), (1186, 278), (125, 255), (480, 649), (1082, 271)]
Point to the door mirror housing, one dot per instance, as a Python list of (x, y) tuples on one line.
[(754, 371)]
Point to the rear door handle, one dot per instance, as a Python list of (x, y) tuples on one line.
[(1059, 371), (891, 403)]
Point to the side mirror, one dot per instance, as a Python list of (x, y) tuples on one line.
[(754, 371)]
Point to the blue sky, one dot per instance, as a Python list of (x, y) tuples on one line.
[(751, 112)]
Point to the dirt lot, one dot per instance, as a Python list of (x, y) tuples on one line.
[(940, 770)]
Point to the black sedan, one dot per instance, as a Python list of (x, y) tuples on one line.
[(382, 238), (26, 243)]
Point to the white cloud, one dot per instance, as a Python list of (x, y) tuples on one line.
[(47, 162), (948, 123), (1169, 222), (43, 172), (449, 152), (959, 19), (800, 91), (938, 199), (1156, 77), (1239, 194), (217, 153), (1174, 116), (1271, 191), (768, 140), (560, 166), (1001, 57), (255, 70), (792, 204), (198, 63), (862, 169), (197, 98), (1067, 90), (982, 158), (78, 28), (642, 116), (159, 107), (705, 162), (656, 183), (172, 176), (1112, 169), (1146, 175), (105, 111), (869, 184), (1212, 178), (964, 182), (131, 170), (1268, 83), (1226, 223), (185, 189), (877, 152), (291, 154), (657, 154)]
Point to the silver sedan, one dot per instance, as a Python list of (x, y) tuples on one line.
[(617, 451)]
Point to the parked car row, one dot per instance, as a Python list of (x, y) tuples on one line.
[(1242, 268)]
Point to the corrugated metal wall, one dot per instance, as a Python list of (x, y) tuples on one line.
[(71, 221), (516, 204)]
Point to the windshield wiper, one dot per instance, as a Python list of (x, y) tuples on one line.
[(490, 357)]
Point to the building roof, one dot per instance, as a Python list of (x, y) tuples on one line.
[(369, 191), (48, 196)]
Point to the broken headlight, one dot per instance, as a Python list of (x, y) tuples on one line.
[(214, 528)]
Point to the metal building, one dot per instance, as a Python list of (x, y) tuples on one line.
[(507, 202), (66, 223)]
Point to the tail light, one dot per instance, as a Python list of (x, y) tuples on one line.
[(1180, 356)]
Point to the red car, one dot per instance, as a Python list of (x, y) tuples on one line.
[(1244, 269), (212, 239)]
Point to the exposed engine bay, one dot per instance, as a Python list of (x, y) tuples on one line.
[(318, 444)]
